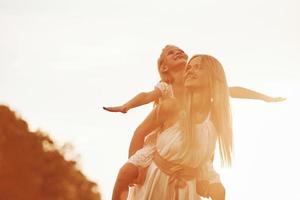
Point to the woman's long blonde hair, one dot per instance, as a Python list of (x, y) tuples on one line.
[(220, 113)]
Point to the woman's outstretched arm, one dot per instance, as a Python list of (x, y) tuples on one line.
[(244, 93)]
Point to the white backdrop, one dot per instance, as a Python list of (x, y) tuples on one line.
[(62, 60)]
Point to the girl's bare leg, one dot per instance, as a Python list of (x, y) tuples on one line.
[(124, 195), (126, 175)]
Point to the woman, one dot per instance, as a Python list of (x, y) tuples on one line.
[(187, 140), (171, 65)]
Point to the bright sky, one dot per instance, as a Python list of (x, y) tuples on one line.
[(61, 61)]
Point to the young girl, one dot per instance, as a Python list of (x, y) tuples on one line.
[(171, 65)]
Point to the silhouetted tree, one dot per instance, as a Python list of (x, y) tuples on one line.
[(32, 168)]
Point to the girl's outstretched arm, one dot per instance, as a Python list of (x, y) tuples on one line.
[(140, 99), (244, 93)]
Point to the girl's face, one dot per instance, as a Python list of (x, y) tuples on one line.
[(196, 74), (175, 58)]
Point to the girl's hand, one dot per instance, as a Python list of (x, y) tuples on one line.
[(122, 109)]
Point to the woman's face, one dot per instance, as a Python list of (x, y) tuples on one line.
[(196, 74)]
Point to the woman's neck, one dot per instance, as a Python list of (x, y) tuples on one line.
[(201, 105)]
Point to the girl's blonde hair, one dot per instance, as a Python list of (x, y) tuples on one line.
[(220, 113)]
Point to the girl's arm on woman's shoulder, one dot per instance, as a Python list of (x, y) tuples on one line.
[(154, 120), (244, 93)]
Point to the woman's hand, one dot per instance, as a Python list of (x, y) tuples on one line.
[(274, 99), (202, 188)]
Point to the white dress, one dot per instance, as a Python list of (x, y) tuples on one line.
[(169, 146)]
